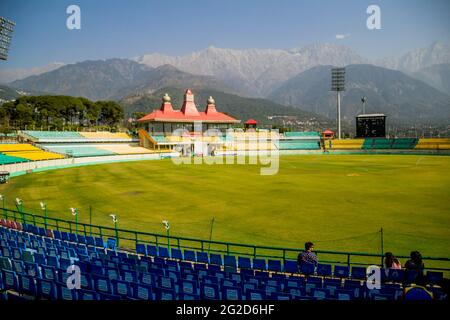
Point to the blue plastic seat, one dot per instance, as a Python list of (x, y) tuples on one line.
[(82, 239), (259, 264), (434, 277), (230, 261), (140, 249), (142, 292), (48, 273), (147, 279), (165, 294), (343, 294), (231, 293), (99, 242), (10, 281), (324, 270), (290, 266), (274, 265), (163, 252), (46, 289), (40, 259), (189, 287), (121, 288), (64, 293), (321, 294), (189, 255), (102, 285), (359, 273), (396, 275), (18, 266), (73, 237), (152, 250), (53, 261), (111, 243), (244, 263), (90, 241), (255, 295), (307, 268), (209, 291), (166, 283), (27, 285), (129, 276), (341, 271), (88, 295), (202, 257), (215, 259), (176, 254)]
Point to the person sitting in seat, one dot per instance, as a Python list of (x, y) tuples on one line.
[(307, 256), (391, 262), (415, 263)]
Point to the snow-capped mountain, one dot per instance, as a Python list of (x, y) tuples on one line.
[(256, 70)]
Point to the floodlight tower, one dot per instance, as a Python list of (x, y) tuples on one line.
[(364, 100), (6, 29), (338, 85)]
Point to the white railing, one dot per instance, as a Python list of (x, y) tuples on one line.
[(24, 167)]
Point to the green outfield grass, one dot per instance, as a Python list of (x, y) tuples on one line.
[(340, 202)]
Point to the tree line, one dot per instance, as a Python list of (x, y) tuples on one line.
[(59, 113)]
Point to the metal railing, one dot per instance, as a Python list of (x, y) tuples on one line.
[(129, 239)]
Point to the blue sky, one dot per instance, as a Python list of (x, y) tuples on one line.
[(129, 28)]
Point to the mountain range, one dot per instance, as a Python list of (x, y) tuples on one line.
[(418, 90), (402, 98), (113, 79)]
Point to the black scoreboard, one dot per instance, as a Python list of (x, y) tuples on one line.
[(371, 126)]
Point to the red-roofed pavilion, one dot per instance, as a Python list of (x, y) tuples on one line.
[(166, 119)]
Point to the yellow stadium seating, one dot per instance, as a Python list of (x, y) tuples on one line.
[(27, 151), (18, 147), (345, 144), (433, 143), (35, 155), (105, 135)]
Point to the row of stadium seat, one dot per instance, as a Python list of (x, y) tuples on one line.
[(79, 150), (389, 143), (298, 145), (36, 265), (436, 143), (346, 144), (118, 275), (86, 150), (67, 136), (22, 152), (384, 143)]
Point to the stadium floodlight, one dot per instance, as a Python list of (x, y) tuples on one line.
[(364, 100), (74, 212), (44, 208), (19, 206), (338, 85), (115, 220), (6, 29), (166, 225)]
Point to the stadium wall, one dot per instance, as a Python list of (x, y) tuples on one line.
[(17, 169)]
